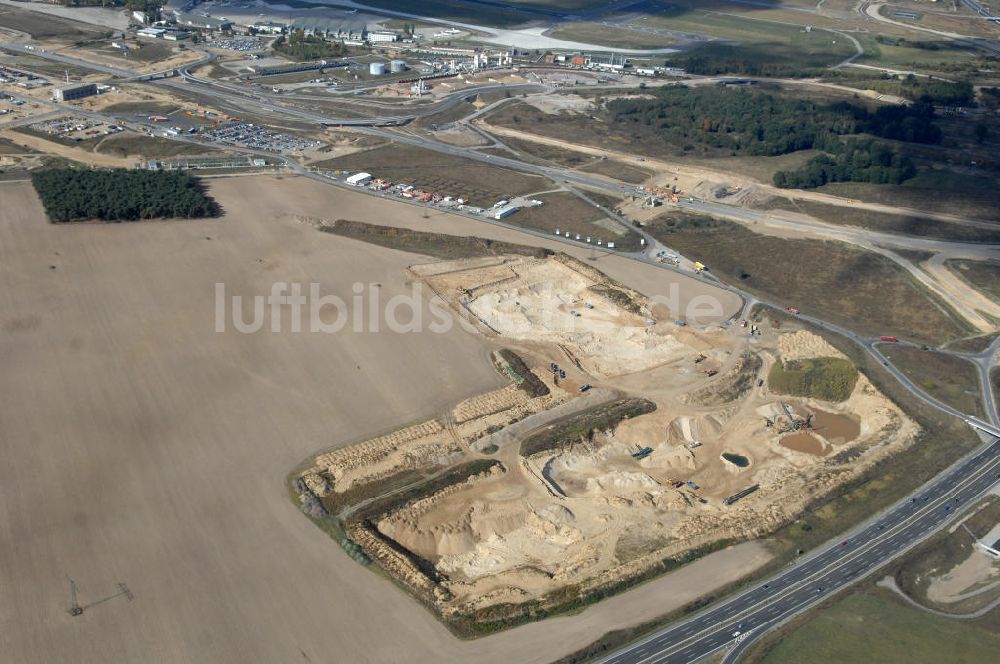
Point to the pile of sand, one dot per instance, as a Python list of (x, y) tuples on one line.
[(547, 301), (803, 345)]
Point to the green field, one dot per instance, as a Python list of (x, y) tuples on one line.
[(887, 223), (567, 212), (148, 147), (949, 379), (937, 190), (825, 378), (476, 182), (872, 626), (847, 285)]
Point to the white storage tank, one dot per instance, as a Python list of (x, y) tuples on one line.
[(397, 66), (376, 69)]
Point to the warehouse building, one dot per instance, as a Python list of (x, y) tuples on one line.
[(359, 179), (75, 92)]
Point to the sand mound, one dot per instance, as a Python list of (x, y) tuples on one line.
[(803, 345)]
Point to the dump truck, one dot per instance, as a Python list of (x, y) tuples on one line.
[(643, 453)]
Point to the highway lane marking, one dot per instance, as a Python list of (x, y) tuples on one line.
[(923, 510)]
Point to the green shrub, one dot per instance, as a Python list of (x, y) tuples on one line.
[(824, 378)]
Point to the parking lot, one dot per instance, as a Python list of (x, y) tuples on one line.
[(75, 128), (249, 135), (243, 44)]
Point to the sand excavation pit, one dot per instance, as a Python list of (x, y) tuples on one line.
[(606, 328), (619, 442)]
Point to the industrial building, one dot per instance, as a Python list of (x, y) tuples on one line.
[(202, 22), (505, 211), (152, 33), (382, 36), (359, 179), (75, 92), (269, 28)]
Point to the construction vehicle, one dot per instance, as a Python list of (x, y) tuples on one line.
[(694, 444), (701, 358), (792, 310), (642, 453), (741, 494), (711, 372), (892, 339), (679, 323), (692, 485), (699, 267), (585, 387)]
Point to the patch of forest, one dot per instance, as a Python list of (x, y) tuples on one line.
[(72, 194)]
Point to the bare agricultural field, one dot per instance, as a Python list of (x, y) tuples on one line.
[(46, 26), (141, 446)]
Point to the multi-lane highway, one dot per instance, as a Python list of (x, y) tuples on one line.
[(736, 622)]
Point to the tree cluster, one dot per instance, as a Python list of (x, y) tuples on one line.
[(71, 194), (826, 378), (754, 123), (739, 60), (301, 46), (937, 91), (850, 161)]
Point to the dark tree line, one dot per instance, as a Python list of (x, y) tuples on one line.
[(71, 194), (851, 161), (301, 46)]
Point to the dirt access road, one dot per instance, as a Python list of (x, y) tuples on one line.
[(141, 446), (796, 225), (697, 173)]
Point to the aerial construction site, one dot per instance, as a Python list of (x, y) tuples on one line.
[(624, 440)]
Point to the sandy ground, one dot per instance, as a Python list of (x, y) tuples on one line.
[(142, 447), (76, 154), (964, 580), (314, 199)]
